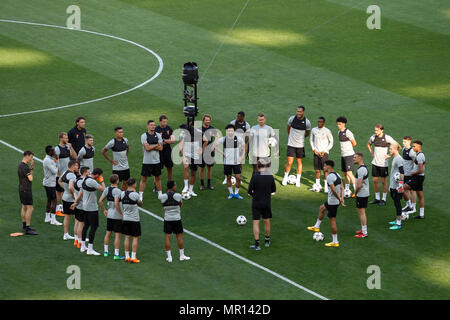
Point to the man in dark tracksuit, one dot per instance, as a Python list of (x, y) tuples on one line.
[(261, 187)]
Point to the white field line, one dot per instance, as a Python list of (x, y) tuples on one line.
[(223, 42), (275, 274), (160, 68)]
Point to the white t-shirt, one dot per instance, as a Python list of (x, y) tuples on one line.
[(321, 139), (259, 139)]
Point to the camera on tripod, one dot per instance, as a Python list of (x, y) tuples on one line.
[(190, 79)]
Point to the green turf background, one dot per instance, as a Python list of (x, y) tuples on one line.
[(280, 54)]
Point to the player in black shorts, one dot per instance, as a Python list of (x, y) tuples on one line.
[(165, 154), (418, 177), (335, 198), (25, 194), (261, 187), (210, 133), (172, 203)]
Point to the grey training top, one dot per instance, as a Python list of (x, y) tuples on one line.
[(67, 196), (408, 160), (345, 138), (50, 172), (119, 151), (360, 174), (259, 139), (112, 211), (86, 162), (332, 179), (90, 197), (296, 137), (78, 184), (231, 149), (420, 158), (130, 211), (397, 166), (171, 213), (151, 157), (380, 149), (63, 163)]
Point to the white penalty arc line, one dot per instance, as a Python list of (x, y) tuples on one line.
[(275, 274), (160, 68)]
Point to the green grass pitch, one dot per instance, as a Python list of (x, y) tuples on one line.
[(279, 54)]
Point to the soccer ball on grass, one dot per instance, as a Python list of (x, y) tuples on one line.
[(186, 196), (318, 236), (241, 220), (292, 179)]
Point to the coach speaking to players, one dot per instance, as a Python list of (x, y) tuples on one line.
[(261, 187)]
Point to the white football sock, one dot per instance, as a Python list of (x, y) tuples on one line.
[(299, 177), (421, 212), (413, 205), (47, 215), (399, 221), (286, 174), (377, 195), (191, 188), (116, 252), (90, 246), (53, 217), (133, 255), (317, 225), (181, 252), (76, 237), (347, 186), (408, 203), (169, 254), (106, 248), (186, 184), (236, 190), (141, 194), (335, 239), (364, 229), (318, 182), (384, 196), (127, 254), (159, 193), (230, 189)]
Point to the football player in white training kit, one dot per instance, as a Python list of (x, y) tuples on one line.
[(321, 140), (298, 128)]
